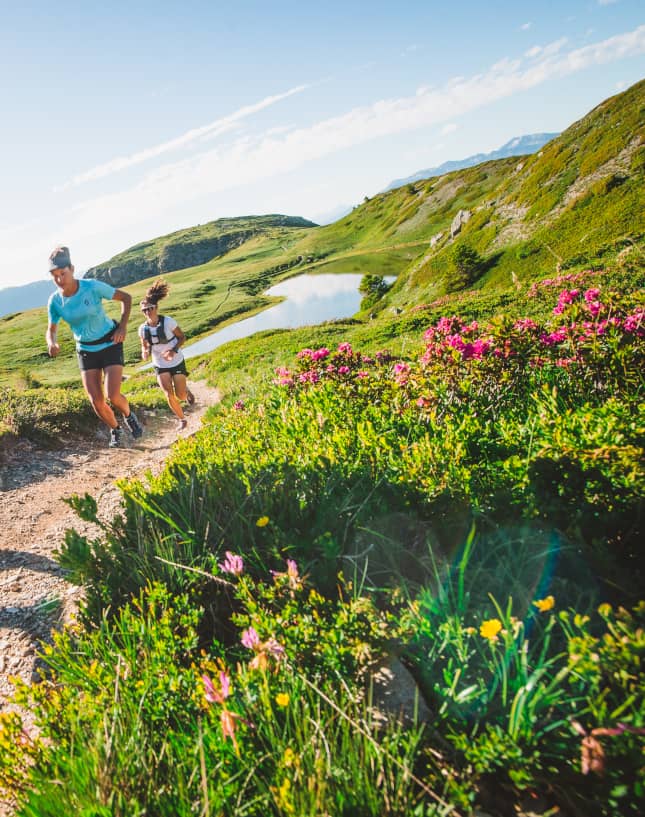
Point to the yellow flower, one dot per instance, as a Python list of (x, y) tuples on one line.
[(262, 522), (490, 628), (545, 604), (282, 699), (289, 757)]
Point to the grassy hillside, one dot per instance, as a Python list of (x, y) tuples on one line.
[(189, 248)]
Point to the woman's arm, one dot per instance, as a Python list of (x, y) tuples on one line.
[(179, 335), (145, 348), (50, 337), (126, 305)]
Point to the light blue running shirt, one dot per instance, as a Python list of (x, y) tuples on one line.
[(84, 312)]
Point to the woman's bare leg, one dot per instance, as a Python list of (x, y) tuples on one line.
[(165, 381), (179, 382), (93, 385), (113, 380)]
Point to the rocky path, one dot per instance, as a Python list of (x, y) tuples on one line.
[(34, 596)]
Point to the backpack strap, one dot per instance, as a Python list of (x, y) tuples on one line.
[(159, 337)]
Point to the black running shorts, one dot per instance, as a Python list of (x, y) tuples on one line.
[(110, 356), (180, 368)]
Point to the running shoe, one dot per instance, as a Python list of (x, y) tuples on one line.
[(181, 424), (115, 437), (190, 397), (134, 425)]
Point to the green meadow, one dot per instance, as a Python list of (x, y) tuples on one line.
[(447, 487)]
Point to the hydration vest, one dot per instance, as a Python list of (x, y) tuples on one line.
[(160, 337)]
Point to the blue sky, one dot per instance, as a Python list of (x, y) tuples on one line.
[(128, 121)]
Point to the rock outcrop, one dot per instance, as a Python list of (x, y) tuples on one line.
[(458, 222)]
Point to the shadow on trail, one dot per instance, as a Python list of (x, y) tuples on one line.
[(11, 559)]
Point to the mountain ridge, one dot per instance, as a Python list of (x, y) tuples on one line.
[(27, 296), (517, 146)]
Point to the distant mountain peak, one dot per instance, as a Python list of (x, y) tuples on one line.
[(517, 146)]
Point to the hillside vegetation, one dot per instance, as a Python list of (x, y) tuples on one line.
[(449, 497)]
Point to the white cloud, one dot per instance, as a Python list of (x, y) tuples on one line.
[(554, 47), (449, 127), (621, 85), (525, 26), (216, 128), (607, 2), (547, 50)]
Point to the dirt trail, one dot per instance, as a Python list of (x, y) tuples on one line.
[(34, 596)]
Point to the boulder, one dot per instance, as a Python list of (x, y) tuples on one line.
[(462, 217)]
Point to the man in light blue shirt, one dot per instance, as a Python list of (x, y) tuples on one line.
[(99, 339)]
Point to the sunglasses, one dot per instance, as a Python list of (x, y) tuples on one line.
[(148, 308)]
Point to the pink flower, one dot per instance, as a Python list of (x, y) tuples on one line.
[(284, 377), (238, 405), (525, 325), (227, 720), (311, 376), (274, 649), (305, 353), (634, 323), (343, 370), (481, 347), (232, 564), (320, 354), (362, 374), (213, 695), (292, 570), (292, 575), (346, 348), (250, 639)]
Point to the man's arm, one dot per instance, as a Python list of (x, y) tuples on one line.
[(126, 305), (50, 338)]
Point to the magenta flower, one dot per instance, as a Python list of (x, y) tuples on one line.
[(250, 639), (346, 348), (320, 354), (305, 353), (238, 405), (232, 564), (553, 338), (343, 370)]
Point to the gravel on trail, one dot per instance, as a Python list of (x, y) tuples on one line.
[(34, 595)]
